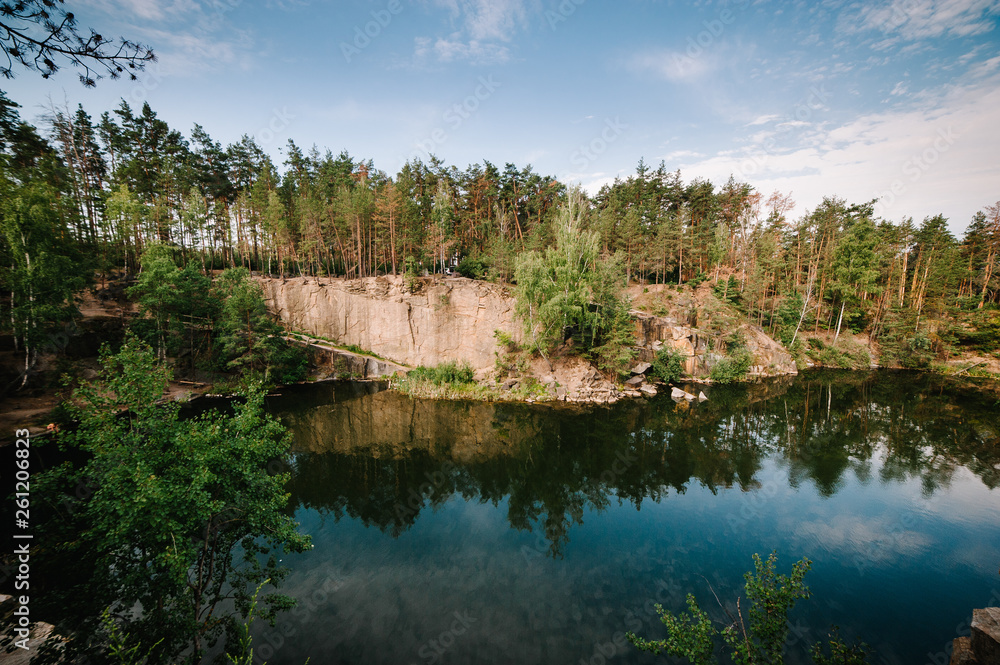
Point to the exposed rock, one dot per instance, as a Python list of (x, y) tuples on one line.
[(702, 397), (446, 320), (677, 394), (657, 332), (647, 389), (986, 635), (334, 362), (38, 633), (455, 319), (509, 384), (634, 381), (961, 652)]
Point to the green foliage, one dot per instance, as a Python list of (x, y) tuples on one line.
[(40, 266), (759, 637), (569, 291), (249, 339), (736, 365), (728, 291), (771, 596), (845, 355), (903, 344), (473, 268), (668, 365), (697, 280), (183, 513), (690, 635), (446, 373), (176, 301), (411, 278), (839, 652)]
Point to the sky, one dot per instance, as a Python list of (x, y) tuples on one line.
[(897, 100)]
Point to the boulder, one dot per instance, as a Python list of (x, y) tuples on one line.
[(634, 381), (702, 397), (641, 368), (986, 636), (678, 394), (647, 389), (961, 652)]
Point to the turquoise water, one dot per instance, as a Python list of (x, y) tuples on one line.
[(449, 532)]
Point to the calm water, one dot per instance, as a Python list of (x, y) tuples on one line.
[(481, 533)]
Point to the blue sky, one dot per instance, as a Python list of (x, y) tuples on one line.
[(897, 99)]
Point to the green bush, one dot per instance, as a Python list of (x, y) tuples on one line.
[(758, 634), (733, 368), (446, 373), (845, 355), (473, 268), (668, 365)]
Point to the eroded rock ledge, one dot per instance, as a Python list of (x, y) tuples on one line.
[(455, 319)]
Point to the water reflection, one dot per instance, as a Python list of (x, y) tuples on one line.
[(383, 459)]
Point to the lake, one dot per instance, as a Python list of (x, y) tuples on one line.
[(462, 532)]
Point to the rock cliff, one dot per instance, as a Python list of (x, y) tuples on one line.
[(444, 319), (455, 319)]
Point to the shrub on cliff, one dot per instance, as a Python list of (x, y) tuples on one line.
[(570, 291)]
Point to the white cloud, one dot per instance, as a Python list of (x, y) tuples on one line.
[(936, 155), (484, 26), (923, 19), (763, 120), (674, 66), (473, 51)]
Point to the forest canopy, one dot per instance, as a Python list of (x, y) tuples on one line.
[(84, 196)]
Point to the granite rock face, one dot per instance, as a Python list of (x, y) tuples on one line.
[(986, 635), (455, 319), (657, 332), (446, 319)]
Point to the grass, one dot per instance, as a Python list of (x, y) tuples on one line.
[(352, 348), (846, 354), (453, 381)]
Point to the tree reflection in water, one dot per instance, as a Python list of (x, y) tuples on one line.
[(383, 458)]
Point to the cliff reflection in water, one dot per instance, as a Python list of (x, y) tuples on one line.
[(383, 458)]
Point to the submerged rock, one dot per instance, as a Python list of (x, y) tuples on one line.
[(678, 394)]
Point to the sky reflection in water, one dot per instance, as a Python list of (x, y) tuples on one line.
[(457, 532)]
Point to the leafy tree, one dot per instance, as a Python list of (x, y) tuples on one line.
[(855, 266), (42, 269), (249, 338), (568, 289), (668, 364), (184, 516), (755, 639), (36, 33)]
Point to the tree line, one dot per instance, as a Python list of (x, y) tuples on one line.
[(84, 195)]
